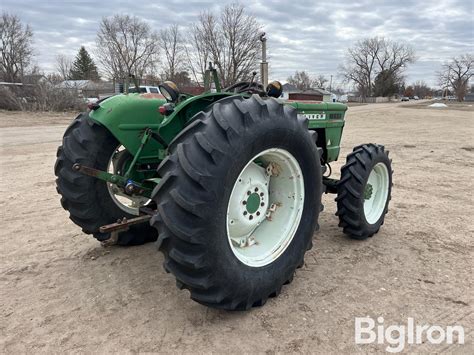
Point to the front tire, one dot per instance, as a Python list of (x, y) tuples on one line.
[(88, 200), (364, 191), (201, 209)]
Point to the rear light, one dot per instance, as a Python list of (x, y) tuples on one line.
[(166, 109)]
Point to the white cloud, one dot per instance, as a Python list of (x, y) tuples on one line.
[(302, 35)]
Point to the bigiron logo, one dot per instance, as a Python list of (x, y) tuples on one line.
[(397, 336)]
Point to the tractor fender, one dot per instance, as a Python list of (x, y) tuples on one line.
[(127, 116)]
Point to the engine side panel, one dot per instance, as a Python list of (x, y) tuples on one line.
[(326, 118)]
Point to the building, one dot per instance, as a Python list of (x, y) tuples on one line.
[(311, 95), (89, 88), (469, 97)]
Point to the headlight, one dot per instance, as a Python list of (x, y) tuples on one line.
[(169, 90), (274, 89)]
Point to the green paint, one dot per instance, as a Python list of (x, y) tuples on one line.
[(128, 116), (327, 118), (253, 202), (368, 191)]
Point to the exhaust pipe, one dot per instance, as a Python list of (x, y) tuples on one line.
[(264, 63)]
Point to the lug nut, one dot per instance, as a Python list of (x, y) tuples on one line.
[(245, 213), (258, 213), (244, 202), (250, 217), (256, 189), (248, 192), (262, 204), (261, 194)]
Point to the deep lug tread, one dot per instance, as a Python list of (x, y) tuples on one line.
[(86, 198), (187, 192), (354, 175)]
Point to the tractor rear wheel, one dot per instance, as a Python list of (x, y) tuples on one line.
[(364, 191), (238, 202), (92, 202)]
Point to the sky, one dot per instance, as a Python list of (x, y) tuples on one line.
[(302, 35)]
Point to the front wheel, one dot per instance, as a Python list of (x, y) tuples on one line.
[(238, 202), (364, 191)]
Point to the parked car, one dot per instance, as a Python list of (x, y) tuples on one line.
[(145, 89), (416, 98), (91, 100), (405, 98)]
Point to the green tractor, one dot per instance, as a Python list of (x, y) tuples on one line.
[(228, 182)]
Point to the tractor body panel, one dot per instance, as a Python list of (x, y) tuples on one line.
[(127, 116), (327, 119), (185, 111)]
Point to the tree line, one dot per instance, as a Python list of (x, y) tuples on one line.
[(127, 47)]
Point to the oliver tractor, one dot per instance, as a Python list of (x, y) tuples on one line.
[(228, 182)]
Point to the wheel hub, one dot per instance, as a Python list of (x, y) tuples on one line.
[(265, 207), (248, 202), (125, 199), (253, 202), (376, 193), (368, 191)]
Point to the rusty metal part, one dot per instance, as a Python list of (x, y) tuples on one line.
[(151, 96), (111, 241), (272, 209), (123, 224)]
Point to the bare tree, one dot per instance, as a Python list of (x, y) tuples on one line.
[(172, 47), (15, 47), (372, 56), (126, 46), (197, 55), (301, 80), (229, 40), (63, 65), (421, 89), (456, 74), (320, 81)]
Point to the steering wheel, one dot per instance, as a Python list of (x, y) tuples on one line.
[(245, 86)]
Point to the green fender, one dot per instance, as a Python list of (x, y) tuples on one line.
[(127, 116)]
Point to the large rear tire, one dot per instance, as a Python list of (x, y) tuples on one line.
[(219, 237), (89, 200)]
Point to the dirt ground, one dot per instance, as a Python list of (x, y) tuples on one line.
[(61, 291)]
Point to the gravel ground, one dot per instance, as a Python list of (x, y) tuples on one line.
[(61, 291)]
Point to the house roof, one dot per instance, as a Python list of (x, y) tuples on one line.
[(76, 84), (321, 91), (313, 91)]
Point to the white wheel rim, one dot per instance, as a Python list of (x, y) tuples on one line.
[(265, 207), (376, 193), (127, 203)]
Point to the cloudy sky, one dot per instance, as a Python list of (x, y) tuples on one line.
[(302, 35)]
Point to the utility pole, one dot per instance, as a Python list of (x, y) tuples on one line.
[(264, 63), (330, 85)]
